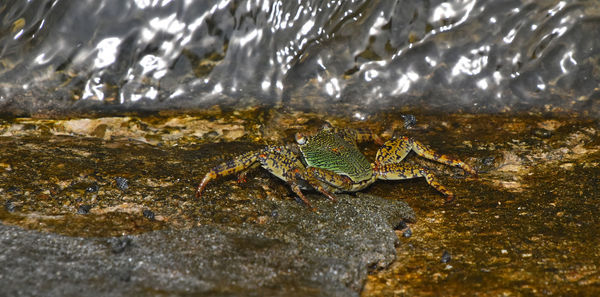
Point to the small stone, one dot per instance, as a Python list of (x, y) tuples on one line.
[(122, 183), (409, 120), (84, 209), (446, 257), (148, 214), (9, 206), (407, 233), (488, 161)]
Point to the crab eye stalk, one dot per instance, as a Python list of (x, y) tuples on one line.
[(300, 139)]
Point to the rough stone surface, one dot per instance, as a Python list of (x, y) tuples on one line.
[(327, 254), (527, 225)]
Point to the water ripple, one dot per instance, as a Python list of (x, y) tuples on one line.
[(444, 55)]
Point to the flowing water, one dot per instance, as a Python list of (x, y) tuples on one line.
[(89, 56)]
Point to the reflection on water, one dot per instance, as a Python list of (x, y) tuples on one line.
[(474, 55)]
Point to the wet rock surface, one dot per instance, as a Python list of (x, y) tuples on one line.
[(96, 216), (107, 206), (526, 227)]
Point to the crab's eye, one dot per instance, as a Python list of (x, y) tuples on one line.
[(326, 126), (300, 139)]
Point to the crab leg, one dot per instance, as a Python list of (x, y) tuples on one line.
[(399, 171), (284, 164), (395, 150), (279, 161), (276, 160), (321, 178), (236, 165), (336, 183), (297, 175)]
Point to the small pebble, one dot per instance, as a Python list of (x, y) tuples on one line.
[(9, 206), (122, 183), (407, 233), (409, 120), (446, 257), (488, 161), (148, 214), (84, 209)]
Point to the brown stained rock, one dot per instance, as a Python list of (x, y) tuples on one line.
[(524, 226)]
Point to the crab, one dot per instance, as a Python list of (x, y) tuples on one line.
[(330, 162)]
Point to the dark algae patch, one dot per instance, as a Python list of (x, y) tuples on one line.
[(106, 206)]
